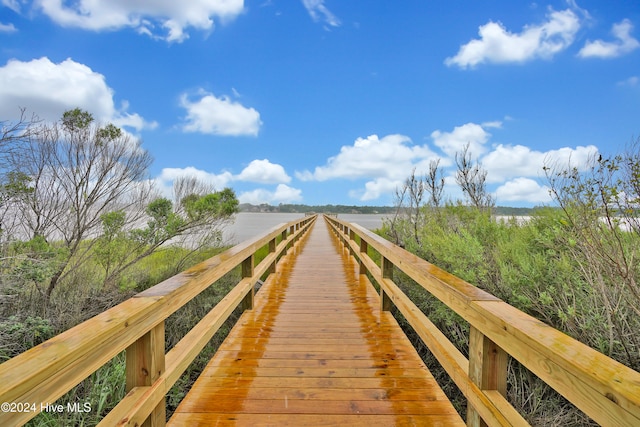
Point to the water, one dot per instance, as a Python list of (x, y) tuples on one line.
[(250, 224)]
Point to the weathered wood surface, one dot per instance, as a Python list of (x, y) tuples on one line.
[(316, 350)]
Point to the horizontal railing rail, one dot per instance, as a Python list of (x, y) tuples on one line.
[(41, 375), (601, 387)]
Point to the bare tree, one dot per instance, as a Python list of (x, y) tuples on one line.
[(399, 203), (78, 171), (471, 178), (434, 183), (415, 188), (409, 202)]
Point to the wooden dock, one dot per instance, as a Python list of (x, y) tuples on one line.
[(316, 350)]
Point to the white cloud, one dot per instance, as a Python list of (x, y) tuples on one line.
[(391, 157), (145, 16), (265, 172), (470, 133), (507, 162), (378, 187), (48, 89), (7, 28), (282, 194), (498, 45), (168, 175), (384, 162), (219, 116), (523, 190), (319, 12), (624, 43), (261, 171)]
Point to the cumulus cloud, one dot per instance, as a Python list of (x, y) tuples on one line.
[(265, 172), (282, 194), (319, 12), (219, 116), (384, 162), (260, 171), (376, 188), (523, 190), (514, 169), (506, 162), (470, 133), (624, 43), (498, 45), (172, 17), (372, 157), (168, 175), (48, 89)]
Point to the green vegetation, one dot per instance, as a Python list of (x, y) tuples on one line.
[(574, 267), (82, 228)]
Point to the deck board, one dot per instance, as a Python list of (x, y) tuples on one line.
[(316, 350)]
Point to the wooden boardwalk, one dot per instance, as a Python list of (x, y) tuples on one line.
[(316, 350)]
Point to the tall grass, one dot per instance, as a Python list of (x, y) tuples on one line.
[(83, 295), (535, 267)]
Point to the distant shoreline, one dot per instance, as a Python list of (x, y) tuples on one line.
[(352, 209)]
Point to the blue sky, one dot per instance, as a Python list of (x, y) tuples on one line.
[(327, 101)]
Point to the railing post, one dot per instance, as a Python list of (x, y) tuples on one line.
[(292, 231), (284, 239), (144, 365), (272, 249), (247, 271), (364, 248), (487, 369), (386, 268)]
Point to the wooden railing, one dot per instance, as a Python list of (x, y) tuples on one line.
[(602, 388), (40, 376)]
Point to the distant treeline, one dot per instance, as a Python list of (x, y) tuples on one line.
[(294, 208), (346, 209)]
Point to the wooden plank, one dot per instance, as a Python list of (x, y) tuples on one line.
[(322, 393), (317, 382), (316, 363), (212, 403), (314, 354), (318, 420)]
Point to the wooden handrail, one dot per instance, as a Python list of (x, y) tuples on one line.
[(601, 387), (44, 373)]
